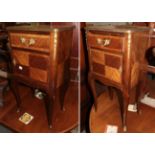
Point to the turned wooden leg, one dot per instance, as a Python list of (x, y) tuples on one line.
[(110, 91), (49, 101), (15, 89), (93, 88)]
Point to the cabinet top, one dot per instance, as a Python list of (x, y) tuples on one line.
[(118, 28), (39, 28)]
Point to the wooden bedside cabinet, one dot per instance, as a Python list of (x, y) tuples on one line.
[(41, 59), (115, 56)]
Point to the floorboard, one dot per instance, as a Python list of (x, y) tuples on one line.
[(108, 113), (64, 121)]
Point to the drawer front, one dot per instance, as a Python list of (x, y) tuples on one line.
[(114, 43), (107, 65), (33, 66), (30, 41)]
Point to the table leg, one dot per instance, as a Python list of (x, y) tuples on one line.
[(61, 92), (110, 92), (3, 87), (15, 89), (125, 110), (49, 101), (137, 97), (93, 88), (123, 101)]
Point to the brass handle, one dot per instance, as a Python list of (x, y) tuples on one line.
[(20, 67), (103, 42), (120, 69), (32, 41), (14, 62), (22, 40)]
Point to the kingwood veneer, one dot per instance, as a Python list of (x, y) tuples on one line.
[(115, 57), (41, 59)]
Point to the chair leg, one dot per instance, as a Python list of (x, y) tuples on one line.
[(92, 86)]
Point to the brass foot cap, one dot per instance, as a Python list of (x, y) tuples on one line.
[(125, 128), (18, 110), (63, 109), (95, 108), (140, 112)]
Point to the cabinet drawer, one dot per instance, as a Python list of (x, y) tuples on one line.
[(33, 66), (30, 41), (107, 65), (114, 43)]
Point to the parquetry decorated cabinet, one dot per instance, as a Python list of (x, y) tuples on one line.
[(115, 56), (41, 59)]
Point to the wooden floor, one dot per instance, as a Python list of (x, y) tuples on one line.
[(64, 120), (108, 113)]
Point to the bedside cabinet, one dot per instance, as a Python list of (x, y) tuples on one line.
[(41, 59), (115, 55)]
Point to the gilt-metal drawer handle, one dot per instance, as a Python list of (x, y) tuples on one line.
[(103, 42), (14, 62), (20, 67), (22, 40), (120, 69), (32, 41)]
